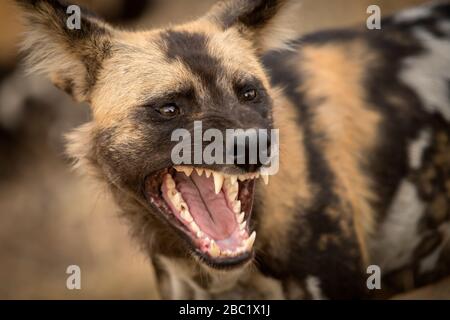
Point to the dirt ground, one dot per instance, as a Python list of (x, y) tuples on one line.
[(51, 218)]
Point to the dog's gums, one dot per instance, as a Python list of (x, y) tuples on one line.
[(211, 208)]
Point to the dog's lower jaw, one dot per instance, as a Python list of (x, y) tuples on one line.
[(179, 273)]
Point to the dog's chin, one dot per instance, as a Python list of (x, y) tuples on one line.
[(210, 210)]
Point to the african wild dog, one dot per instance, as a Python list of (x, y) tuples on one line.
[(365, 152)]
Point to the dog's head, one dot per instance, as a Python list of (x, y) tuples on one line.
[(143, 86)]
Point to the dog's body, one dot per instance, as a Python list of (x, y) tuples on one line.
[(363, 115)]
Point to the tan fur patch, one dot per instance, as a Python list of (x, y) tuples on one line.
[(336, 73), (278, 216)]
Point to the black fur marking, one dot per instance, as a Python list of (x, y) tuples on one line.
[(442, 10), (192, 50)]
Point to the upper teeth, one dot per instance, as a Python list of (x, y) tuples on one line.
[(219, 177), (265, 177), (218, 181)]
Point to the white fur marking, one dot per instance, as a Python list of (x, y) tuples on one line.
[(313, 287), (428, 74), (398, 236), (417, 148), (413, 14)]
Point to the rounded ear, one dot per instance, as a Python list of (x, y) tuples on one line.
[(65, 44), (267, 23)]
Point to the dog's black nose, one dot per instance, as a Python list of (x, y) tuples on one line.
[(249, 150)]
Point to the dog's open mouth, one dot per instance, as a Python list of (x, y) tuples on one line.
[(211, 208)]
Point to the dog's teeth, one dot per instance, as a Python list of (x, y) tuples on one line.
[(208, 173), (242, 177), (169, 181), (237, 206), (199, 171), (232, 195), (250, 241), (200, 234), (231, 190), (177, 200), (242, 225), (194, 227), (227, 253), (214, 249), (242, 233), (218, 182), (186, 170), (240, 217), (256, 175), (185, 215), (233, 179), (265, 178)]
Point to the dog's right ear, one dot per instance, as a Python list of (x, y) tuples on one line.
[(70, 58), (266, 23)]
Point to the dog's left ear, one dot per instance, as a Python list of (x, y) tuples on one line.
[(267, 23)]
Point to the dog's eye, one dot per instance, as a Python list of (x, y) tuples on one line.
[(249, 94), (169, 110)]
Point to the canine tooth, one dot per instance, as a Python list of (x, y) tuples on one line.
[(250, 241), (233, 179), (240, 217), (185, 215), (199, 171), (214, 249), (237, 206), (218, 182), (242, 225), (265, 178)]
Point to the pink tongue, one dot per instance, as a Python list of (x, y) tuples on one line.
[(209, 210)]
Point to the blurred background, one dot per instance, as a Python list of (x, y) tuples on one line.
[(50, 217)]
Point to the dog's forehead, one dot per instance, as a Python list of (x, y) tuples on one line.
[(146, 65)]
